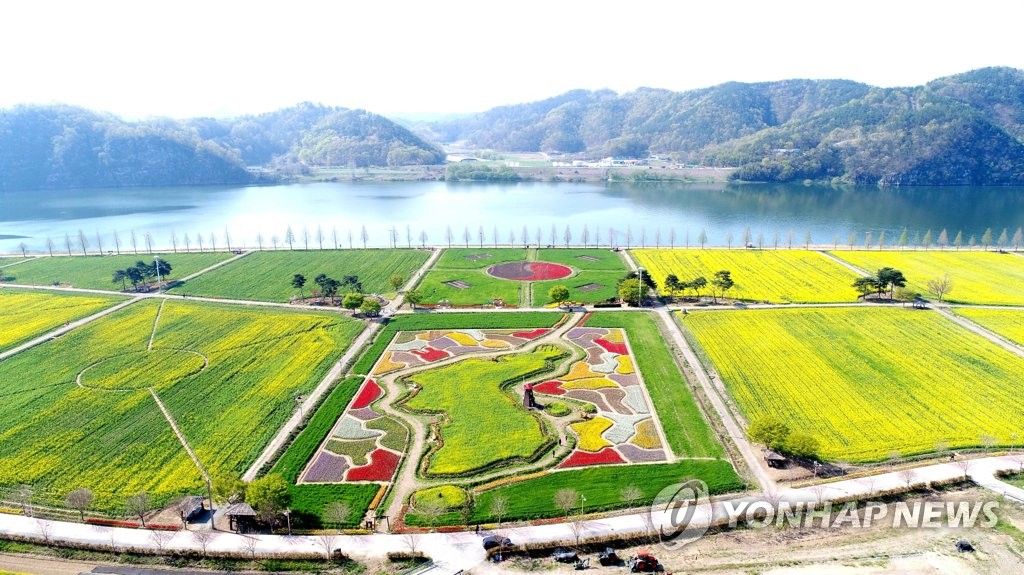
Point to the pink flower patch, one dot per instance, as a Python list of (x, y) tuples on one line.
[(430, 354), (370, 392), (583, 458), (553, 387), (531, 334), (619, 348), (382, 466)]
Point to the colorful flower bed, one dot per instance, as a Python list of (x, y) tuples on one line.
[(530, 271), (623, 429), (413, 349)]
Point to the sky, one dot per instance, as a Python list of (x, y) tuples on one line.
[(187, 58)]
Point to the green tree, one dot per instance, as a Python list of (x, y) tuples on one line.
[(890, 278), (1004, 238), (370, 307), (629, 291), (696, 284), (299, 282), (672, 284), (903, 239), (558, 293), (723, 282), (769, 431), (122, 277), (396, 281), (162, 268), (352, 300), (866, 285), (958, 241), (328, 286), (801, 444), (413, 297), (269, 496), (228, 489), (986, 238), (927, 239)]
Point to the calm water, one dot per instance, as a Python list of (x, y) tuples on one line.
[(641, 211)]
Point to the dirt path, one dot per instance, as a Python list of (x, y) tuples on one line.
[(43, 565), (715, 395), (845, 264), (66, 328), (306, 408), (978, 329), (156, 322), (15, 263), (213, 267), (415, 279), (407, 481), (181, 436)]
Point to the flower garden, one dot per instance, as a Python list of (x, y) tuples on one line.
[(27, 314)]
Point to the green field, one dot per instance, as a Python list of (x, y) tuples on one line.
[(1008, 323), (978, 277), (425, 321), (483, 288), (477, 411), (598, 286), (27, 314), (687, 431), (580, 258), (477, 258), (8, 261), (267, 275), (58, 435), (866, 382), (96, 272), (602, 487), (778, 276)]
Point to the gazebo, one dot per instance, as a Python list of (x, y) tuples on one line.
[(241, 517)]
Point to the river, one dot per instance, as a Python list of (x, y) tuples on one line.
[(637, 214)]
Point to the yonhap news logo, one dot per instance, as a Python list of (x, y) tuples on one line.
[(681, 512)]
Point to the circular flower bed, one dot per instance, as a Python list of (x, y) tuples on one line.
[(529, 271)]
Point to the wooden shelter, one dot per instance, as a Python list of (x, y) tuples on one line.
[(241, 517)]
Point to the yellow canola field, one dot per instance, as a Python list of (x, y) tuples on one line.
[(778, 276), (1008, 323), (866, 381), (27, 314), (978, 277)]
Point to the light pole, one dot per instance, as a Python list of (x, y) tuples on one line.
[(640, 288), (583, 499), (298, 400), (156, 264)]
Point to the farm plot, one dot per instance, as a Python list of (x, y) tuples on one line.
[(27, 314), (866, 382), (778, 276), (460, 277), (978, 277), (96, 272), (479, 412), (623, 428), (585, 287), (585, 259), (478, 258), (1008, 323), (413, 349), (59, 434), (267, 275)]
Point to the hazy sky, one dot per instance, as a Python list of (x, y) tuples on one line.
[(185, 58)]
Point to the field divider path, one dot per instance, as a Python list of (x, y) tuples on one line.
[(857, 270), (214, 266), (66, 328), (750, 455), (981, 330), (416, 278), (312, 399), (156, 322), (16, 263), (180, 435)]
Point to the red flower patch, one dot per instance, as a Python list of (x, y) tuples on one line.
[(531, 334), (547, 271), (553, 387), (370, 392), (619, 348), (430, 354), (583, 458), (382, 466)]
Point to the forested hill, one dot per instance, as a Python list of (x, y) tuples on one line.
[(68, 147), (963, 129)]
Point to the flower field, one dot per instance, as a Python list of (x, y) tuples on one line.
[(412, 349), (529, 271), (978, 277), (778, 276), (606, 379), (1008, 323), (865, 382), (59, 435), (267, 275), (95, 272), (27, 314), (477, 412)]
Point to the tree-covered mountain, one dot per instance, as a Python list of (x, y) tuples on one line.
[(67, 147), (963, 129)]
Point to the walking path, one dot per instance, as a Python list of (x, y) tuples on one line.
[(156, 322), (213, 267), (845, 264), (66, 328), (311, 401), (181, 436), (975, 328)]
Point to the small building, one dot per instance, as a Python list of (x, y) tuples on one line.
[(191, 507), (241, 517), (775, 460), (529, 402)]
